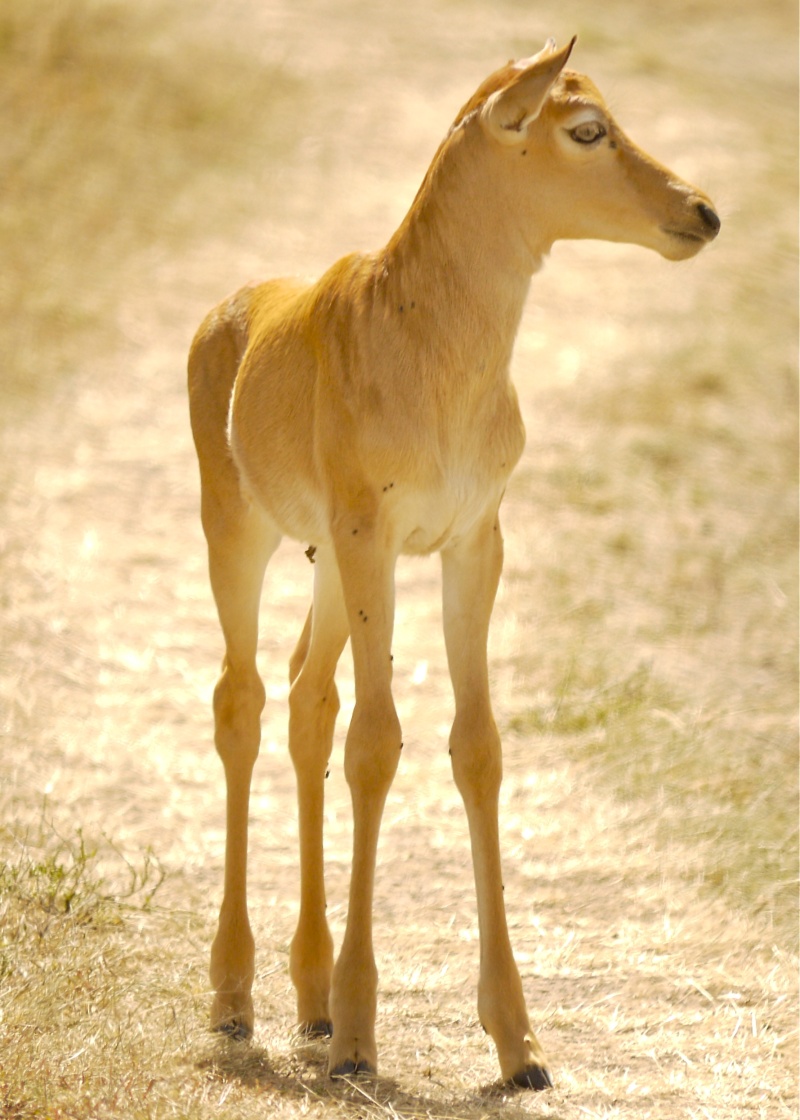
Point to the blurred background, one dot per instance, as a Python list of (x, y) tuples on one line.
[(155, 156)]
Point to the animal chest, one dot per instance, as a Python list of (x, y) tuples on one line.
[(462, 491)]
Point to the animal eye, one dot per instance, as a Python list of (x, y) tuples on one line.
[(588, 133)]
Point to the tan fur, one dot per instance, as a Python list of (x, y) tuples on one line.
[(371, 414)]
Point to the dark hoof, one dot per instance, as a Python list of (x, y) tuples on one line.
[(533, 1077), (351, 1068), (319, 1028), (235, 1030)]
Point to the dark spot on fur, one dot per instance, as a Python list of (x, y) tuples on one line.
[(310, 553)]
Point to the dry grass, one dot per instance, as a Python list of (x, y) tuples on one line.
[(645, 641), (693, 542), (104, 1006), (112, 149)]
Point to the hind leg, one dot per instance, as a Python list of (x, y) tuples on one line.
[(240, 543), (241, 539), (313, 706)]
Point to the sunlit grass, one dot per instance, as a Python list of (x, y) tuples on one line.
[(670, 627), (113, 142)]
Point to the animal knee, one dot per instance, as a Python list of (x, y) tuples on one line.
[(238, 702), (372, 751), (476, 756)]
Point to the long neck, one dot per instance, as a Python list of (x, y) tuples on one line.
[(456, 258)]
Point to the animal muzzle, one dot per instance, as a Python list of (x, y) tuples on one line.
[(697, 228)]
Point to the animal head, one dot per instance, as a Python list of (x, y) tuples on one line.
[(563, 167)]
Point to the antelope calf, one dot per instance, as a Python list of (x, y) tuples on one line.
[(371, 414)]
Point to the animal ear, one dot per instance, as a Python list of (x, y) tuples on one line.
[(507, 113)]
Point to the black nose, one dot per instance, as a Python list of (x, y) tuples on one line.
[(710, 218)]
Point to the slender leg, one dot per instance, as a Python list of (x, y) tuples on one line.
[(240, 542), (372, 751), (313, 706), (471, 571)]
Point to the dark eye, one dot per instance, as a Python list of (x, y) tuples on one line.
[(588, 133)]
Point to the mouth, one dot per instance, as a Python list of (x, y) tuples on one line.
[(683, 243), (684, 235), (702, 231)]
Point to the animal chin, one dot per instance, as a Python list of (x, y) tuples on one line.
[(682, 244)]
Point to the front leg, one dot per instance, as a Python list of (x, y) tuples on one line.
[(471, 572), (372, 750)]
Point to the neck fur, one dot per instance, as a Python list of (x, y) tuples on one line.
[(457, 257)]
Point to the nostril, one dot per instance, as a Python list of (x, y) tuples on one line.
[(710, 217)]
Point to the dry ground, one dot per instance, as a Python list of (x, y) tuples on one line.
[(645, 640)]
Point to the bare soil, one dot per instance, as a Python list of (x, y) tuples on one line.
[(644, 645)]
